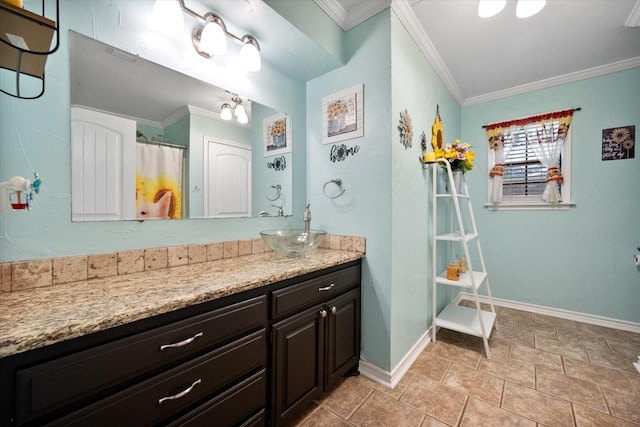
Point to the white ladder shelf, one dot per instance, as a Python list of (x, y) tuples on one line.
[(472, 321)]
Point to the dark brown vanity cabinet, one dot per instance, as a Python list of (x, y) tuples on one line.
[(250, 359), (147, 373), (317, 345)]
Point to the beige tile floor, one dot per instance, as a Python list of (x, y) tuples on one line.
[(544, 371)]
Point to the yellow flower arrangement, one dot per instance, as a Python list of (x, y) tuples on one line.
[(459, 156), (278, 128), (337, 109)]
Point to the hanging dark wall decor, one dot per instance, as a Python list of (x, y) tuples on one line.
[(279, 163), (340, 152), (618, 143)]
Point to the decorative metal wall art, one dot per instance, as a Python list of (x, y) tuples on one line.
[(340, 152), (406, 129), (279, 163)]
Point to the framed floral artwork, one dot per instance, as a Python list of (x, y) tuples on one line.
[(277, 135), (343, 115)]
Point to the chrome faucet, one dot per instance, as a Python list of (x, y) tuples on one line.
[(307, 218), (280, 211)]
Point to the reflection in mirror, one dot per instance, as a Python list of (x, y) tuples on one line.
[(149, 143)]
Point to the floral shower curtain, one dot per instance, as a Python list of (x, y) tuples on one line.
[(545, 134), (158, 182)]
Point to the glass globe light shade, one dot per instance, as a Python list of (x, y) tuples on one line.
[(167, 15), (249, 55), (212, 37)]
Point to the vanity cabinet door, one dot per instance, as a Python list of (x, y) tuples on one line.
[(343, 336), (297, 363)]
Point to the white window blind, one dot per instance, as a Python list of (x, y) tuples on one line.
[(524, 175)]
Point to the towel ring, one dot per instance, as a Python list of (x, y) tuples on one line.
[(337, 182), (278, 189)]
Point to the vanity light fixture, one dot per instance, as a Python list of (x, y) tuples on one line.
[(166, 15), (238, 110), (249, 55), (225, 112), (524, 8), (210, 38)]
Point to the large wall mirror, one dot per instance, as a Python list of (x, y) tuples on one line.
[(150, 143)]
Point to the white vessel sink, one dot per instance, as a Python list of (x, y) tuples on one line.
[(293, 242)]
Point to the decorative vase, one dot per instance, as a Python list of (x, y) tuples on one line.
[(457, 181)]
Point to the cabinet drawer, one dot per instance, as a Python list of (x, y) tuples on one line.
[(174, 391), (296, 297), (74, 379), (242, 404)]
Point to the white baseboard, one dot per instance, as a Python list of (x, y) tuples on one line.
[(391, 379), (591, 319)]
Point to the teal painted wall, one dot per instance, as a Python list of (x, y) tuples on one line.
[(365, 207), (417, 89), (35, 137), (316, 24), (581, 259)]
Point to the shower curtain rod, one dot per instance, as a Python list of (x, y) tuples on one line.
[(154, 141)]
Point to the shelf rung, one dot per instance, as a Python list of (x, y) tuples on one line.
[(466, 320), (461, 196), (456, 237), (465, 279)]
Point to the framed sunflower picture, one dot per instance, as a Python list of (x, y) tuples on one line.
[(343, 115), (277, 135), (618, 143)]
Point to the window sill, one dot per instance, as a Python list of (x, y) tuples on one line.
[(530, 206)]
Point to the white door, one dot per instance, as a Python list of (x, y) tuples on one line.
[(103, 166), (227, 179)]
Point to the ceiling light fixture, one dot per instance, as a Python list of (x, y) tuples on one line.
[(527, 8), (238, 110), (488, 8), (524, 8), (210, 38)]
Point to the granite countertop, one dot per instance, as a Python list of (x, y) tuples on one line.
[(44, 316)]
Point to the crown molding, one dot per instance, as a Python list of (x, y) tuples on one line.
[(348, 20), (634, 17), (602, 70), (403, 10)]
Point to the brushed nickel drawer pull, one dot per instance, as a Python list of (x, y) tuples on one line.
[(326, 288), (182, 343), (183, 393)]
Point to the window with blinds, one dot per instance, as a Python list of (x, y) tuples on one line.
[(524, 175)]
